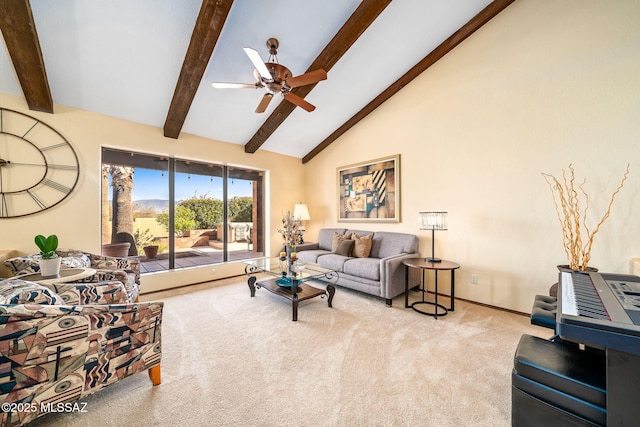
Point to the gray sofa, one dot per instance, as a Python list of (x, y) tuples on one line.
[(381, 274)]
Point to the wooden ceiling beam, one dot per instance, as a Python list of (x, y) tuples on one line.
[(211, 19), (357, 23), (20, 35), (445, 47)]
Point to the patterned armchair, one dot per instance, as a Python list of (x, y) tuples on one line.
[(53, 353), (108, 269)]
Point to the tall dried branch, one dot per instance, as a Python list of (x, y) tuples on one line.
[(573, 219)]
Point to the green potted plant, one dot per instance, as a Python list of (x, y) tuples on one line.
[(50, 262)]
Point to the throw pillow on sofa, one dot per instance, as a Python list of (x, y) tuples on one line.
[(362, 245), (344, 248), (15, 291), (337, 238)]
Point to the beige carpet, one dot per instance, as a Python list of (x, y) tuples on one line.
[(232, 360)]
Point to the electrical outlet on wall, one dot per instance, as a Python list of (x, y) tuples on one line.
[(474, 279)]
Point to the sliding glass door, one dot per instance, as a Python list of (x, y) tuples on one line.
[(181, 213)]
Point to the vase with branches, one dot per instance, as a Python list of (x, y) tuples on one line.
[(572, 204), (290, 231)]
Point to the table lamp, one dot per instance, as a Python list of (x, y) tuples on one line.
[(301, 213), (432, 221)]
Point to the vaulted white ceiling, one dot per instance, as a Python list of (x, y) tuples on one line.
[(122, 58)]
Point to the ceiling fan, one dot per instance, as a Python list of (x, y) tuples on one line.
[(275, 78)]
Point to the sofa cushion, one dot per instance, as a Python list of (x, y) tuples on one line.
[(368, 268), (312, 255), (333, 261), (325, 237), (362, 247), (344, 247), (16, 291)]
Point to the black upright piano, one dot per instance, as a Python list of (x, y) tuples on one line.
[(589, 372)]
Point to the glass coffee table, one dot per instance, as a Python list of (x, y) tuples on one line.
[(291, 280)]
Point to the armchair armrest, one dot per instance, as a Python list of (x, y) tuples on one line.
[(99, 292), (127, 278), (101, 262), (79, 348), (113, 263), (106, 274), (125, 270)]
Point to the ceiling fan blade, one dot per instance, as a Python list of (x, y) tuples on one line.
[(295, 99), (221, 85), (266, 99), (307, 78), (254, 56)]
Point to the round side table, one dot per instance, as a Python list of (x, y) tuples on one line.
[(66, 275), (424, 265)]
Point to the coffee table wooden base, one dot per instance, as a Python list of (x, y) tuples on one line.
[(303, 292)]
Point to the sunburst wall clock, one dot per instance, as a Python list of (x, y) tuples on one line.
[(38, 166)]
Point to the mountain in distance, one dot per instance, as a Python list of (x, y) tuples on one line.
[(154, 205)]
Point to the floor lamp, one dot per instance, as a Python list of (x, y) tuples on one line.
[(432, 221)]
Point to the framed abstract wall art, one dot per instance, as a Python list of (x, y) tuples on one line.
[(370, 191)]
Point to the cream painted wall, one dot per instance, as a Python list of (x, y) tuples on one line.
[(76, 220), (546, 83)]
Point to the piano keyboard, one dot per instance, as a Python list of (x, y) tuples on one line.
[(580, 298)]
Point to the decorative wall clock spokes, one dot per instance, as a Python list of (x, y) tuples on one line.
[(38, 166)]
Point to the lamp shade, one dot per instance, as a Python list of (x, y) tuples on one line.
[(301, 212), (433, 220)]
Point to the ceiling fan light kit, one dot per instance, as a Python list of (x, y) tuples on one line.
[(275, 78)]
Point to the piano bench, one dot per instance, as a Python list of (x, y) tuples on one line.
[(543, 312), (557, 384)]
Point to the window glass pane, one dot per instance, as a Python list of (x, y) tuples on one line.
[(151, 216), (242, 187), (137, 193), (199, 214), (139, 185)]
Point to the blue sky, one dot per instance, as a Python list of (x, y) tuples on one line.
[(150, 184)]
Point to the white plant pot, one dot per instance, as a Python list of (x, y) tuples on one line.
[(50, 267)]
